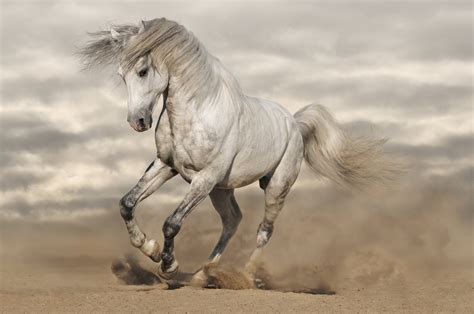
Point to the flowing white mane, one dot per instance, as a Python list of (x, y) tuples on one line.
[(103, 49), (168, 42)]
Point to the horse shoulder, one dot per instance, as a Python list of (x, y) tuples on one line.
[(163, 139)]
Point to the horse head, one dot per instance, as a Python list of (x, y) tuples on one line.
[(145, 78)]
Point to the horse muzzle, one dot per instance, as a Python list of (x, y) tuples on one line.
[(141, 124)]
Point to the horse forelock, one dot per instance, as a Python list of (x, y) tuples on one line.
[(158, 39), (103, 49)]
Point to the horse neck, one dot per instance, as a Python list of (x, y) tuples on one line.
[(201, 85)]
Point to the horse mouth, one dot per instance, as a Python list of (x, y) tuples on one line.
[(141, 124), (141, 129)]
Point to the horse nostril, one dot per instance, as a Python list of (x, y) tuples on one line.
[(141, 122)]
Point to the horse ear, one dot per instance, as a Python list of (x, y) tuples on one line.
[(142, 27), (114, 33)]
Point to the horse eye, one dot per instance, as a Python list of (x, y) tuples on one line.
[(143, 72)]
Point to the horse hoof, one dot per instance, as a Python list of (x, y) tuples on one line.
[(199, 279), (169, 272), (152, 250), (156, 254)]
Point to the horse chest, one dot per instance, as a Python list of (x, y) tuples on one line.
[(187, 149)]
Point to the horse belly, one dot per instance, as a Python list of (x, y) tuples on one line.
[(241, 177), (253, 164)]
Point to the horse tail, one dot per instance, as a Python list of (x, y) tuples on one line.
[(331, 152)]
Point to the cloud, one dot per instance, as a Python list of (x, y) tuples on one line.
[(452, 148), (14, 179)]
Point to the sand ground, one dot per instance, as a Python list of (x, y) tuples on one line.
[(93, 288)]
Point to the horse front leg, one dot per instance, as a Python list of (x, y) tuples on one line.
[(201, 185), (156, 174), (226, 206)]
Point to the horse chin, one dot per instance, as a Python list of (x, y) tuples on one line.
[(141, 129)]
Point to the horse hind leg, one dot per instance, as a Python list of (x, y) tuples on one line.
[(225, 204), (276, 189), (274, 200)]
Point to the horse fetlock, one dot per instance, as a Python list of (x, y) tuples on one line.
[(264, 233), (137, 240), (170, 228), (137, 237), (168, 271), (126, 207), (262, 239)]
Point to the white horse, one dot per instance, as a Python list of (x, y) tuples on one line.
[(217, 138)]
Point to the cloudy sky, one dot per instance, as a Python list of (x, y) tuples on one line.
[(397, 69)]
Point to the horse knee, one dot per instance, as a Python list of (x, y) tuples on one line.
[(126, 207), (264, 233)]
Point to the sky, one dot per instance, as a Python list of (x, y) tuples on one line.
[(396, 69)]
